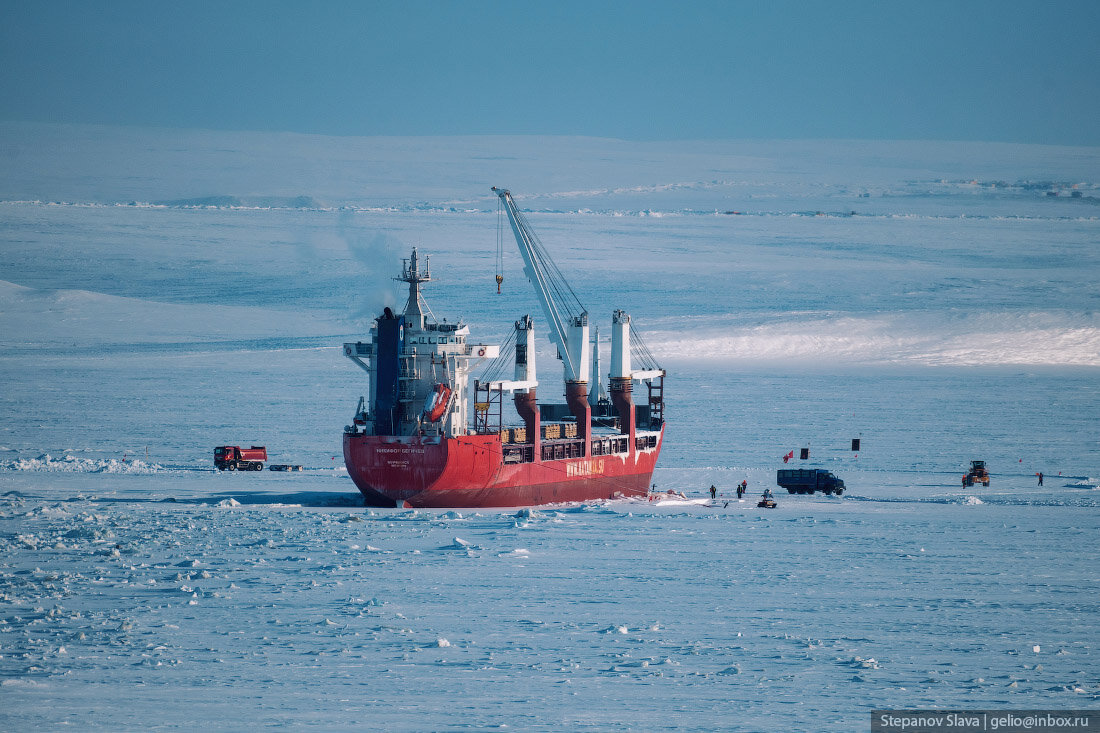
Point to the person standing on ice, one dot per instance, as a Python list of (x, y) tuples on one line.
[(1040, 478), (713, 492)]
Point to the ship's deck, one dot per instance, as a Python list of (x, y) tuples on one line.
[(566, 448)]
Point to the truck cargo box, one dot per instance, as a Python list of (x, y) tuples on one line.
[(809, 480)]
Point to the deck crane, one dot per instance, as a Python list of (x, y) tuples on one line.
[(568, 321), (566, 316)]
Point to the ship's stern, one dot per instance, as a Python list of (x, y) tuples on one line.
[(414, 471)]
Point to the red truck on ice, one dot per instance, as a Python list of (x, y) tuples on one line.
[(233, 457)]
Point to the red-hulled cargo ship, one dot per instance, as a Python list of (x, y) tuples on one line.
[(412, 444)]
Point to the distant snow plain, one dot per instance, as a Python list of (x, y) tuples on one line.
[(163, 292)]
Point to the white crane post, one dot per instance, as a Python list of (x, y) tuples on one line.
[(580, 348), (597, 392), (526, 400), (525, 350), (620, 345), (576, 389), (622, 383)]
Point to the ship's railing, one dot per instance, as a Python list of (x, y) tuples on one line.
[(657, 401), (558, 450), (610, 446), (519, 454), (488, 409), (521, 451), (561, 449)]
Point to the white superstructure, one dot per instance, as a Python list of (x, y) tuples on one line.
[(428, 354)]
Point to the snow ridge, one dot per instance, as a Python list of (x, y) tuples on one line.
[(73, 464)]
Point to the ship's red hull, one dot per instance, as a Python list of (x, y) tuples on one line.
[(468, 472)]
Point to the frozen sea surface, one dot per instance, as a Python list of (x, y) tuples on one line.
[(162, 292), (142, 601)]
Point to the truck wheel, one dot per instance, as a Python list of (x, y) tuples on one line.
[(839, 492), (232, 465), (259, 466), (985, 483), (790, 491), (827, 492)]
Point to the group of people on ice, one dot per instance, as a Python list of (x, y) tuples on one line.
[(742, 489)]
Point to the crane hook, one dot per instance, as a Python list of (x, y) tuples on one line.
[(500, 279)]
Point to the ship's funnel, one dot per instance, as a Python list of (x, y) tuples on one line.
[(387, 343)]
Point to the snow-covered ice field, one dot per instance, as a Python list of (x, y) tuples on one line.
[(163, 292)]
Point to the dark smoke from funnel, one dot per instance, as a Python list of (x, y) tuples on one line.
[(379, 258)]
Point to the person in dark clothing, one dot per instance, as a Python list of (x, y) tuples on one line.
[(713, 491), (1040, 478)]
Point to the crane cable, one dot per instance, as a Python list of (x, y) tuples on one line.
[(640, 351), (500, 245), (494, 369), (562, 291)]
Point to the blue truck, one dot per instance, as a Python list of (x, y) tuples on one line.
[(808, 480)]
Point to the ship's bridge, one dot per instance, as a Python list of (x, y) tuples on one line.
[(439, 338)]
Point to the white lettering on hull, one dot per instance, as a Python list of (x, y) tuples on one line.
[(592, 467)]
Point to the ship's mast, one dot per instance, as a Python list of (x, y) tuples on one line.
[(415, 307), (597, 393)]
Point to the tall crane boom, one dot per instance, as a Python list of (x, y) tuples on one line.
[(567, 318)]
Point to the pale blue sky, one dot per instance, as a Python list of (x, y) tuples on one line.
[(959, 70)]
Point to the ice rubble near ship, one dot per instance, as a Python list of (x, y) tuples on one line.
[(411, 443)]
